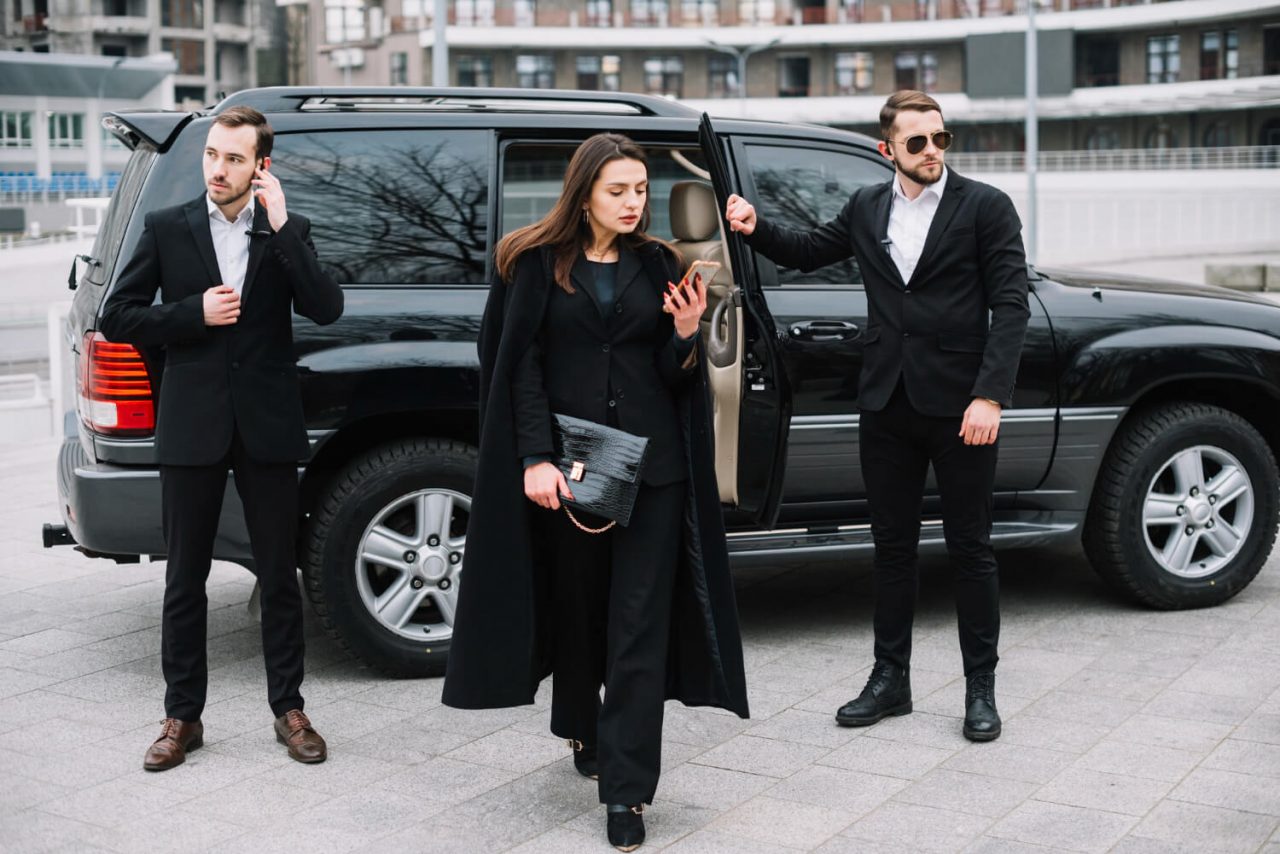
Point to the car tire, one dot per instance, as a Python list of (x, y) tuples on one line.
[(1184, 510), (390, 498)]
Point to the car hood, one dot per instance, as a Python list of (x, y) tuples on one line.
[(1111, 281)]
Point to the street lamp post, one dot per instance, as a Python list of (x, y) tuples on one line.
[(741, 54), (1032, 131)]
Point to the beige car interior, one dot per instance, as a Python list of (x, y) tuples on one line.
[(699, 234)]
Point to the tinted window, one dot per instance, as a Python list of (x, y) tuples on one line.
[(106, 246), (533, 175), (392, 207), (802, 188)]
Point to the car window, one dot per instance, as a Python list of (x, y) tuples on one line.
[(106, 246), (392, 207), (801, 188), (532, 177)]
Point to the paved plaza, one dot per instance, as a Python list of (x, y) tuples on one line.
[(1125, 729)]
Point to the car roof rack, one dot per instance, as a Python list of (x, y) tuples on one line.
[(279, 99)]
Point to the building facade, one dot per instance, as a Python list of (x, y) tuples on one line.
[(1112, 75)]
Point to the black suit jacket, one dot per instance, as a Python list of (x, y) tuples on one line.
[(621, 370), (218, 379), (952, 333)]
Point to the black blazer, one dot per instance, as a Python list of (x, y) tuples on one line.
[(621, 370), (952, 333), (218, 379)]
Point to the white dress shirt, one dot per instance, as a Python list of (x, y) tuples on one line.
[(909, 221), (231, 242)]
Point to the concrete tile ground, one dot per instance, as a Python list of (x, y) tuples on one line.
[(1125, 730)]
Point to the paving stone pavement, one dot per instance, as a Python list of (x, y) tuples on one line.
[(1126, 730)]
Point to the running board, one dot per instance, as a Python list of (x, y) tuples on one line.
[(855, 540)]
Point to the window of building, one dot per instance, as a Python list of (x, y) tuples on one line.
[(526, 13), (475, 70), (1231, 56), (599, 13), (1102, 138), (793, 77), (188, 53), (434, 187), (115, 50), (722, 77), (1271, 50), (916, 70), (1097, 60), (343, 21), (705, 13), (852, 11), (66, 130), (1218, 135), (664, 75), (184, 94), (757, 12), (854, 72), (182, 13), (535, 71), (1219, 55), (1161, 136), (926, 10), (801, 188), (600, 73), (399, 69), (15, 129), (1162, 59), (473, 13), (648, 13)]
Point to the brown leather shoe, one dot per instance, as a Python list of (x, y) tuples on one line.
[(293, 729), (170, 749)]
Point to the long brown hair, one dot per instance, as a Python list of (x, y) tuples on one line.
[(564, 229)]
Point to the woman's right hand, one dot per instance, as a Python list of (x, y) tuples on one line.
[(544, 484)]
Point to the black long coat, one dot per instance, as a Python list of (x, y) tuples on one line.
[(502, 640)]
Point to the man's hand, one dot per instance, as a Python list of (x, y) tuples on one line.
[(270, 195), (981, 422), (544, 484), (740, 214), (221, 306)]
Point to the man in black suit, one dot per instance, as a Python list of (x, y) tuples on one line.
[(230, 275), (946, 284)]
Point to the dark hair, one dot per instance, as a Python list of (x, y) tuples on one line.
[(904, 99), (234, 117), (564, 229)]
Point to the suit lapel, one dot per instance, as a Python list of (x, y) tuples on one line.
[(941, 219), (257, 246), (629, 268), (880, 254), (198, 223)]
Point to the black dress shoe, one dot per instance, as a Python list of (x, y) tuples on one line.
[(888, 692), (981, 721), (626, 826), (584, 758)]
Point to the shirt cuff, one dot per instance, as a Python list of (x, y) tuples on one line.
[(534, 459)]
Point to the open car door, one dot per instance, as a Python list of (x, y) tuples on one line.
[(748, 380)]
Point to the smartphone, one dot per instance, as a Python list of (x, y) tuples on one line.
[(708, 269)]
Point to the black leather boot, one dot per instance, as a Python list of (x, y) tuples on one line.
[(626, 826), (981, 720), (584, 758), (888, 692)]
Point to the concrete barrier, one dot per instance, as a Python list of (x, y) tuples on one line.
[(1244, 277)]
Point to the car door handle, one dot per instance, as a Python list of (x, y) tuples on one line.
[(824, 330)]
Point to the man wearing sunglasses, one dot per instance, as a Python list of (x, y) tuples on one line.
[(946, 284)]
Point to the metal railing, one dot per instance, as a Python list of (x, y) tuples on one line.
[(1122, 159)]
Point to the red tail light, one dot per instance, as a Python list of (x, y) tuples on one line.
[(115, 389)]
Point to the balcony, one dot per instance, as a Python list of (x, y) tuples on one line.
[(121, 25), (234, 33), (1122, 159)]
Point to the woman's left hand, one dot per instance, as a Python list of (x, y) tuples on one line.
[(686, 305)]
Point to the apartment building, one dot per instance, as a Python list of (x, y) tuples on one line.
[(1112, 74)]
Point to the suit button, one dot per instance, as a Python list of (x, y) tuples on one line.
[(617, 309), (605, 348), (620, 395), (906, 335), (235, 366), (613, 403)]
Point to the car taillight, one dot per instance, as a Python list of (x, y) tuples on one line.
[(115, 389)]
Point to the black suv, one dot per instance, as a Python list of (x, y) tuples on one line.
[(1144, 418)]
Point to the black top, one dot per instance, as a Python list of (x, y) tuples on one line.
[(605, 281)]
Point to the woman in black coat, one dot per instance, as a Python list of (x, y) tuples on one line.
[(583, 320)]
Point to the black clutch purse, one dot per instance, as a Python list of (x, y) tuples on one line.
[(602, 465)]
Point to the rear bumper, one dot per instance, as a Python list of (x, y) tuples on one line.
[(116, 510)]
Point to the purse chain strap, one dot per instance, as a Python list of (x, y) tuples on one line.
[(584, 528)]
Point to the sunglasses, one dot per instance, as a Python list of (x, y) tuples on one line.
[(915, 144)]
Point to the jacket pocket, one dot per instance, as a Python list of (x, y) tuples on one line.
[(956, 343), (870, 335)]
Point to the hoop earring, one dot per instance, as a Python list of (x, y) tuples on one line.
[(585, 220)]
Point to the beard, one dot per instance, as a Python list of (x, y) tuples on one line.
[(228, 194), (920, 176)]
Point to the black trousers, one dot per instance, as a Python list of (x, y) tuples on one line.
[(897, 444), (613, 618), (192, 498)]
